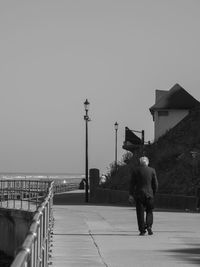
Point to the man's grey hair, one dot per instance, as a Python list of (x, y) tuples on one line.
[(144, 161)]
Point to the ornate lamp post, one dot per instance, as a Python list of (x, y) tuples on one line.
[(116, 129), (86, 118)]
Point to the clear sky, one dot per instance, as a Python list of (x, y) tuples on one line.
[(54, 54)]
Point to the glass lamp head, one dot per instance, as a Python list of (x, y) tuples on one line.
[(86, 105)]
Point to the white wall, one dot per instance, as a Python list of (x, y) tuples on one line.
[(164, 123)]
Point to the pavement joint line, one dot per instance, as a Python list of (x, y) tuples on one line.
[(98, 249)]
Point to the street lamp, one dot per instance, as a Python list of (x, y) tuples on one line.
[(116, 128), (86, 118)]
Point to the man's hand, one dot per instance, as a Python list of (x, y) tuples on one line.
[(131, 199)]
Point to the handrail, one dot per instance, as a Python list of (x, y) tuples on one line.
[(34, 251), (64, 187), (22, 194), (38, 195)]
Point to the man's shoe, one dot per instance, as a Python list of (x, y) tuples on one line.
[(150, 232), (142, 233)]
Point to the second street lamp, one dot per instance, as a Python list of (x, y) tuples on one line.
[(86, 118), (116, 129)]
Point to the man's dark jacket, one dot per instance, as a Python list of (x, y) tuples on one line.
[(143, 182)]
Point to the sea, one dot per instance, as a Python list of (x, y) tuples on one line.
[(56, 177)]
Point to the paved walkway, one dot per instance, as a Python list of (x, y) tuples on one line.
[(96, 236)]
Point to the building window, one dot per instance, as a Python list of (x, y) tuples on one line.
[(163, 113)]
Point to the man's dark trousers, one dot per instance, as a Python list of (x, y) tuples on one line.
[(144, 203)]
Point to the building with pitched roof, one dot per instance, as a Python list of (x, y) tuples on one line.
[(170, 108)]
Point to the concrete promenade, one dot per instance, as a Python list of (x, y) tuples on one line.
[(95, 236)]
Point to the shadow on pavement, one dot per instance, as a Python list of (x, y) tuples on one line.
[(77, 198), (191, 255)]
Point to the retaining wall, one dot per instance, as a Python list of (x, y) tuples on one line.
[(14, 226), (161, 200)]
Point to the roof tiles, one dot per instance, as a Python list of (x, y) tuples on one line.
[(176, 98)]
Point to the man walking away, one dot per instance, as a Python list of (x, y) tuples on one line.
[(143, 186)]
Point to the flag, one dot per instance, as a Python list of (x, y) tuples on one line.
[(131, 137)]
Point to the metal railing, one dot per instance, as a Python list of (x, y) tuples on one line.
[(34, 251), (22, 194), (65, 187)]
